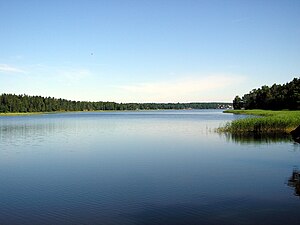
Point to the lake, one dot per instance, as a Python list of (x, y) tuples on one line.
[(145, 167)]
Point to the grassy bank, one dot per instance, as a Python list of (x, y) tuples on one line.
[(267, 121)]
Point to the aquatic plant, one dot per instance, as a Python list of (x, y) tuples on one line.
[(266, 121)]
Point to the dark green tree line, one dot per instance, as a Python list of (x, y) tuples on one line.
[(25, 103), (276, 97)]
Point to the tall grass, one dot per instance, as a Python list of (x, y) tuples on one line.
[(265, 122)]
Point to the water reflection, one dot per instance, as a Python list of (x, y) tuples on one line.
[(294, 181), (227, 212), (256, 138), (142, 168)]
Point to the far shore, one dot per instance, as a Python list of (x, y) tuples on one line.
[(55, 112)]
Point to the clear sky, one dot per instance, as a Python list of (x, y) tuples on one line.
[(147, 50)]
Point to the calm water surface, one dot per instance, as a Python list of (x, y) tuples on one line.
[(153, 167)]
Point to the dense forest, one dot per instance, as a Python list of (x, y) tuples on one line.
[(25, 103), (276, 97)]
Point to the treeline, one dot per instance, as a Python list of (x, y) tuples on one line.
[(276, 97), (25, 103)]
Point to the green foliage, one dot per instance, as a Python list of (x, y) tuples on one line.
[(265, 122), (237, 103), (10, 103), (276, 97)]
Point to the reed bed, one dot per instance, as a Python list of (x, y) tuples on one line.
[(266, 121)]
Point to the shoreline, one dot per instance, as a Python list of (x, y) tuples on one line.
[(86, 111)]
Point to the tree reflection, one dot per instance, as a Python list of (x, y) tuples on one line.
[(294, 181)]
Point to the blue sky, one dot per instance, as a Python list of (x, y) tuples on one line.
[(147, 50)]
